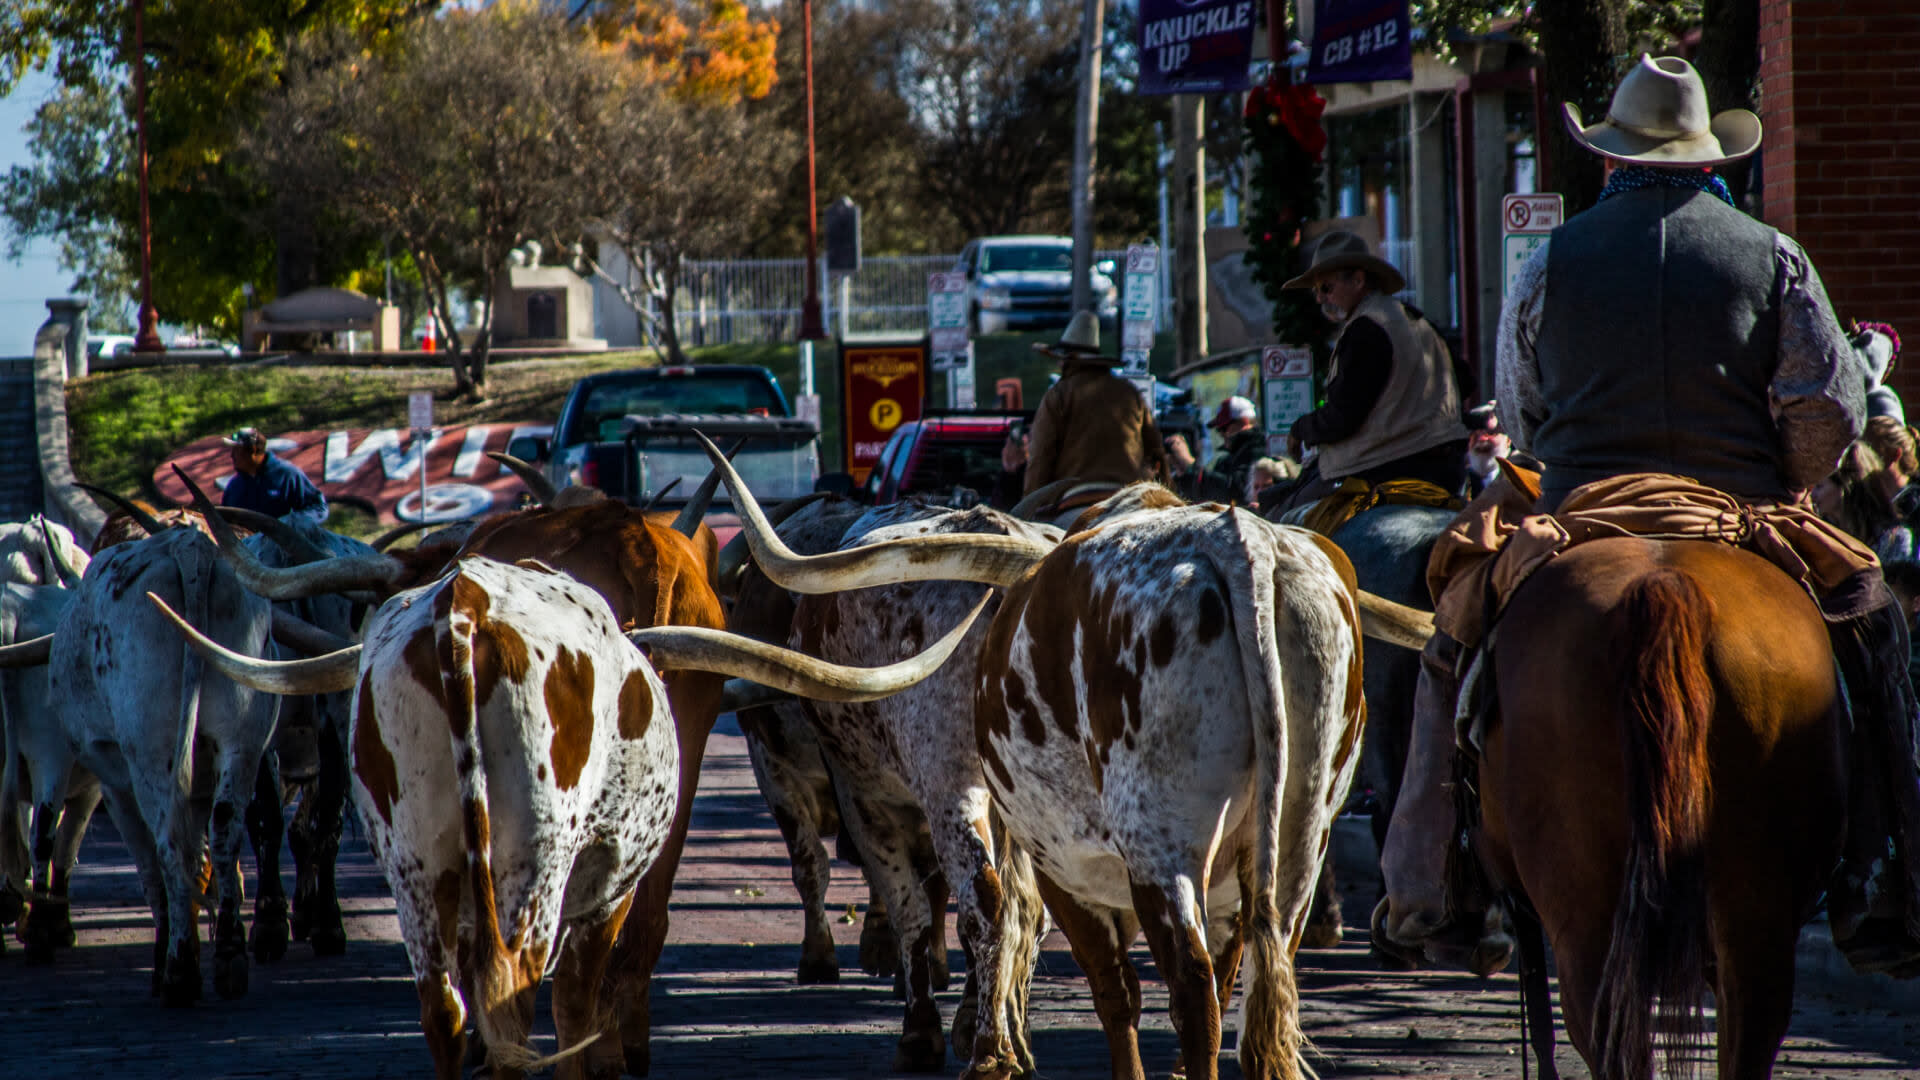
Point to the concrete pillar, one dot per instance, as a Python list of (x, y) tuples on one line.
[(71, 312), (1489, 187), (1431, 269), (1190, 227)]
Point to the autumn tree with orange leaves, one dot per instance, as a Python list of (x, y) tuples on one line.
[(710, 52)]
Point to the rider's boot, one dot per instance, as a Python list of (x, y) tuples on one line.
[(1873, 905)]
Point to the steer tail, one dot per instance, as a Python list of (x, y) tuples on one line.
[(1660, 925), (503, 1012), (1271, 1040)]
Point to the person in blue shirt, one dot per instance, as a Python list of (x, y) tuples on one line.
[(264, 482)]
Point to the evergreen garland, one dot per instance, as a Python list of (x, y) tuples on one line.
[(1284, 138)]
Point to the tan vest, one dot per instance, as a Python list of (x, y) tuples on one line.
[(1418, 409)]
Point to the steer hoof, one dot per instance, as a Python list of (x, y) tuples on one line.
[(1322, 931), (879, 952), (181, 986), (328, 940), (991, 1070), (230, 975), (920, 1052), (819, 970), (966, 1020), (270, 934), (12, 904)]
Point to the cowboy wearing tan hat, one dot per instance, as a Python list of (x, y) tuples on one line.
[(1092, 425), (1664, 331), (1392, 409)]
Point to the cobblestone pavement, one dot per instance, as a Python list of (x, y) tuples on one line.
[(725, 1003)]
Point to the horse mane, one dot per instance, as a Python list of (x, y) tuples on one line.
[(1660, 945)]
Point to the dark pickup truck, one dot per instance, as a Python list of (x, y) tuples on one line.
[(630, 434)]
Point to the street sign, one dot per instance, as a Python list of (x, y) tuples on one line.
[(1526, 221), (947, 335), (1139, 293), (1286, 375), (882, 386), (420, 411)]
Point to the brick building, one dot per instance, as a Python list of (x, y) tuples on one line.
[(1840, 103)]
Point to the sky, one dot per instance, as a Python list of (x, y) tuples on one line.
[(25, 285)]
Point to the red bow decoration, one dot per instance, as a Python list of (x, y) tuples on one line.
[(1297, 108)]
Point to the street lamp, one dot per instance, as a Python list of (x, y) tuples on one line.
[(147, 339)]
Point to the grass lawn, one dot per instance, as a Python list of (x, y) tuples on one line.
[(122, 424)]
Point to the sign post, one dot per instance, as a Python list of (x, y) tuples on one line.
[(949, 340), (1286, 378), (420, 419), (1525, 223)]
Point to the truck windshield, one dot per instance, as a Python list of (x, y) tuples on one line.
[(775, 468), (609, 403), (1000, 260)]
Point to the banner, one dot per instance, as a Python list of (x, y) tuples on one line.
[(1196, 46), (377, 469), (1360, 41)]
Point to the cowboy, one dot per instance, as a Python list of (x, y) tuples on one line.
[(1392, 408), (1663, 331), (1224, 479), (264, 482), (1093, 425)]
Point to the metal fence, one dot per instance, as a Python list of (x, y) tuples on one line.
[(729, 301)]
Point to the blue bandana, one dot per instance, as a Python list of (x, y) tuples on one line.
[(1635, 177)]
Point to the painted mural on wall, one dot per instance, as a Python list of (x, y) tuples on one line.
[(378, 469)]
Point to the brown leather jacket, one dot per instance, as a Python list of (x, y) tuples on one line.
[(1094, 426)]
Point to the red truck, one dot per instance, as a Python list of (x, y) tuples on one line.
[(932, 456)]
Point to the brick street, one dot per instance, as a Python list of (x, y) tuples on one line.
[(725, 1004)]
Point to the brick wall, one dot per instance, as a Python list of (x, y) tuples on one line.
[(1840, 102)]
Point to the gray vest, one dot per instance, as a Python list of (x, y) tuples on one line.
[(1658, 339), (1417, 410)]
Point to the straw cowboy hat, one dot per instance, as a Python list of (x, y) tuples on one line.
[(1659, 117), (1342, 250), (1079, 341)]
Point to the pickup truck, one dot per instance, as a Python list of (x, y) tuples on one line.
[(933, 456), (1026, 283), (630, 434)]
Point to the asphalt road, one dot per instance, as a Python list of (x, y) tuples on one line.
[(725, 1002)]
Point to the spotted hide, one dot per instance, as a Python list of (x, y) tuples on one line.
[(176, 746), (40, 777), (916, 800), (793, 775), (515, 763), (1169, 716)]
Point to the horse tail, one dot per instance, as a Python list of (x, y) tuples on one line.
[(1660, 941), (502, 1016)]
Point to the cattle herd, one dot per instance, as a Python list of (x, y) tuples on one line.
[(1143, 723)]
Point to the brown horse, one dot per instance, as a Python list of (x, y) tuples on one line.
[(1665, 783)]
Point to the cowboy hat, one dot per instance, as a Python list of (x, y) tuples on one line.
[(1659, 117), (1342, 250), (1080, 340)]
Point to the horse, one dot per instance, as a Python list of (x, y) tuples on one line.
[(1664, 784)]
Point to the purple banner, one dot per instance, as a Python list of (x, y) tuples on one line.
[(1360, 41), (1195, 46)]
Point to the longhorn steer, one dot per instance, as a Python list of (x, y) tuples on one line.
[(173, 745), (1169, 710), (39, 552)]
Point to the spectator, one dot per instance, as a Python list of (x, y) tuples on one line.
[(1225, 478), (1264, 485), (1486, 444), (264, 482), (1879, 347)]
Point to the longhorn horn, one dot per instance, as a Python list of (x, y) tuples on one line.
[(746, 694), (332, 673), (1044, 495), (392, 536), (661, 494), (680, 648), (984, 558), (305, 638), (127, 506), (342, 573), (69, 577), (27, 653), (290, 539), (1396, 624), (691, 515), (732, 561), (529, 474)]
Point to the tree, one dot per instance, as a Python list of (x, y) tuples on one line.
[(709, 51), (208, 66), (990, 84), (671, 179), (466, 137)]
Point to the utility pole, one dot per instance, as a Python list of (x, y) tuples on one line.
[(811, 328), (147, 338), (1086, 128), (1189, 227)]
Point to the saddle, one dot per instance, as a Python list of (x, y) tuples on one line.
[(1354, 496), (1499, 540)]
